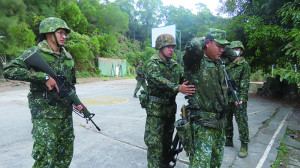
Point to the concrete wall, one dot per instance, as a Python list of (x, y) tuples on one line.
[(254, 86)]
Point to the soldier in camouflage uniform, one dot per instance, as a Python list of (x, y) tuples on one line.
[(140, 77), (239, 72), (53, 132), (206, 108), (164, 77)]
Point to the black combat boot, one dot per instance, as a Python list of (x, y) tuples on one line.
[(135, 96)]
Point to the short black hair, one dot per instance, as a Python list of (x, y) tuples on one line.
[(207, 37)]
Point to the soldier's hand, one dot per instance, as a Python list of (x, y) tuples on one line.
[(79, 108), (51, 83), (186, 89), (236, 103)]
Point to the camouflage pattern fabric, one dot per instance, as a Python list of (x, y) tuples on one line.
[(218, 35), (158, 137), (163, 78), (164, 40), (237, 44), (62, 64), (138, 86), (141, 81), (241, 119), (239, 72), (51, 24), (184, 132), (53, 142), (207, 104), (208, 147)]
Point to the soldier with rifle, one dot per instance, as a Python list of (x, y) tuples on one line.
[(239, 78), (141, 79), (51, 101)]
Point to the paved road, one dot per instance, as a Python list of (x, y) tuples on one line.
[(120, 143)]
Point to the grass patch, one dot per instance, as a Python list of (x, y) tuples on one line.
[(101, 78), (282, 157), (284, 151)]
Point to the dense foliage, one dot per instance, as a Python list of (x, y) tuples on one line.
[(270, 30), (122, 29)]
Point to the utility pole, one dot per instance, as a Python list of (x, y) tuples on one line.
[(178, 39)]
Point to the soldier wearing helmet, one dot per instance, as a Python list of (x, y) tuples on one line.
[(56, 27), (165, 80), (203, 68), (141, 79), (239, 72), (52, 132)]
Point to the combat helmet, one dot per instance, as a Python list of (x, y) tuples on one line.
[(217, 35), (237, 44), (51, 24), (164, 40)]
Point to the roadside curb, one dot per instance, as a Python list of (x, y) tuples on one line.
[(292, 140)]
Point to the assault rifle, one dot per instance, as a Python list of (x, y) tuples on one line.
[(231, 88), (65, 89), (176, 146), (174, 151)]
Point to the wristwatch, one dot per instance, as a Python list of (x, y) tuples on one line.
[(47, 77)]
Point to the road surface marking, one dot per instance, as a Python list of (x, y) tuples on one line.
[(264, 157)]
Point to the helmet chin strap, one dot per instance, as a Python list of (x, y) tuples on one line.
[(57, 44)]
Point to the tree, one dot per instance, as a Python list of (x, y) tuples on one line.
[(16, 36), (270, 30), (149, 14), (116, 21), (72, 15), (103, 18), (201, 7), (128, 7), (189, 24), (38, 10)]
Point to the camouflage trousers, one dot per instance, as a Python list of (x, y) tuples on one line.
[(53, 142), (158, 138), (241, 119), (139, 84), (208, 147)]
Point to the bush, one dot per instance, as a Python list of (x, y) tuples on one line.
[(82, 74), (258, 76)]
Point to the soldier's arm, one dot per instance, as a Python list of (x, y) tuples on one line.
[(17, 69), (193, 54), (140, 72), (228, 53), (74, 78), (154, 74), (245, 82)]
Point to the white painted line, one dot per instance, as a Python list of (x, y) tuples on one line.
[(264, 157)]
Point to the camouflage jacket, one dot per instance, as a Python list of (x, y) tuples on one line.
[(240, 72), (163, 78), (211, 97), (140, 74), (62, 64)]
